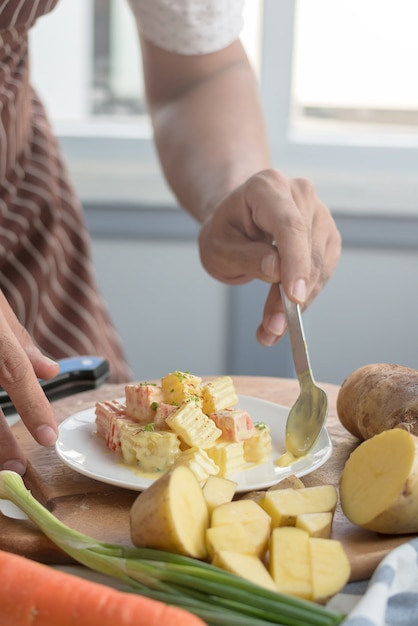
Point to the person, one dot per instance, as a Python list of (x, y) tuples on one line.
[(211, 139)]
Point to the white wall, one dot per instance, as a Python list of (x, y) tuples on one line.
[(368, 313), (170, 314)]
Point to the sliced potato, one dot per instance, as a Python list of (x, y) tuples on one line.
[(254, 520), (288, 482), (246, 565), (232, 537), (330, 567), (315, 524), (307, 567), (171, 515), (379, 483), (218, 490), (290, 561), (284, 505)]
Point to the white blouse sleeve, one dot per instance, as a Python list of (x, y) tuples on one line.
[(189, 26)]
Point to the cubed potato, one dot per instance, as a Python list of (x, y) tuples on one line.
[(315, 524), (193, 426), (330, 567), (245, 565), (284, 505), (155, 451), (247, 513), (231, 537), (290, 561), (228, 456), (179, 387), (218, 394), (218, 490), (199, 462), (257, 449), (288, 482)]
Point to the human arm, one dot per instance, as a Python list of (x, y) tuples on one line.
[(210, 135)]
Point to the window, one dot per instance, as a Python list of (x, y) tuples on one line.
[(337, 81), (355, 68), (350, 141)]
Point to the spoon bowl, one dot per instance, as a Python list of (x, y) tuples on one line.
[(307, 416)]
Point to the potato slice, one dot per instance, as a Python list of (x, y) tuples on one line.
[(283, 505), (288, 482), (315, 524), (246, 565), (290, 561), (232, 537), (307, 567), (171, 515), (218, 490), (379, 483), (254, 520), (330, 567)]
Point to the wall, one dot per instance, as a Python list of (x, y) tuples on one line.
[(172, 315)]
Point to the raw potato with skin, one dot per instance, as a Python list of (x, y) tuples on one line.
[(172, 515), (379, 397), (379, 483)]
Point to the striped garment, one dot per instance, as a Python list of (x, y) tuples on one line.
[(46, 269)]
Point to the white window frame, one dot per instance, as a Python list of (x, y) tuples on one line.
[(353, 172)]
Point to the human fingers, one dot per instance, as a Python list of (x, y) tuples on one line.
[(20, 365), (287, 209), (325, 255), (236, 242), (273, 325), (324, 241)]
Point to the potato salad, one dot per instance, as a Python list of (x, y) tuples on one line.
[(183, 420)]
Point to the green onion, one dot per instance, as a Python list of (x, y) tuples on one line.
[(216, 596)]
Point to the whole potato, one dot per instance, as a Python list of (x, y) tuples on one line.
[(379, 397)]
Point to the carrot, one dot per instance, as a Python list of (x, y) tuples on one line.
[(35, 594)]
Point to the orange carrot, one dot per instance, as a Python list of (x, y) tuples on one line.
[(33, 594)]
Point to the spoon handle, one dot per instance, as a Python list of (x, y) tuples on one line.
[(297, 335)]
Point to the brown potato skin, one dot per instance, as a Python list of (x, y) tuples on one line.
[(379, 397)]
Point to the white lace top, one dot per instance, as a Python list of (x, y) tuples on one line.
[(189, 26)]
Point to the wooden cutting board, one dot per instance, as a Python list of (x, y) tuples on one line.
[(102, 510)]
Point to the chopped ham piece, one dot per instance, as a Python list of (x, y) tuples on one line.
[(161, 414), (142, 400), (108, 416), (235, 424)]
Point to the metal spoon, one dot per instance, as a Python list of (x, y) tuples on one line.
[(307, 416)]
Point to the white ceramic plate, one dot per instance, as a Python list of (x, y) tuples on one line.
[(79, 447)]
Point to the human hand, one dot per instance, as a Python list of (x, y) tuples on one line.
[(21, 364), (275, 229)]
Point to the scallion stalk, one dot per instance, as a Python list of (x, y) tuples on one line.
[(216, 596)]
